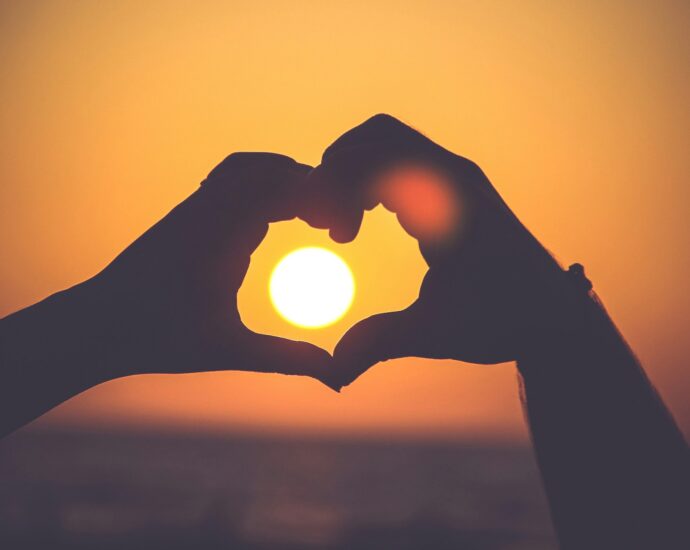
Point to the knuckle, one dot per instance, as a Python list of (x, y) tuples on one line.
[(379, 127), (385, 121), (230, 165), (469, 169), (249, 164)]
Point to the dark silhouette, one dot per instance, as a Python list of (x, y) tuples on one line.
[(167, 304), (614, 464)]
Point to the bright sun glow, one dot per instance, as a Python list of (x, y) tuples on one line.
[(312, 287)]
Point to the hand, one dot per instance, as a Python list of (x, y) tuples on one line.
[(491, 290), (168, 302)]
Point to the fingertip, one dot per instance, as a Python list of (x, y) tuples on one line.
[(352, 358), (341, 237), (346, 374), (347, 227), (335, 386), (292, 357)]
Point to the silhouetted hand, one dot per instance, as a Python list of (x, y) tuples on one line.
[(491, 288), (168, 302)]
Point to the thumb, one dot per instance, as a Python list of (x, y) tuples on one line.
[(379, 338), (271, 354)]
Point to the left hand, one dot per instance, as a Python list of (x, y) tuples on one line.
[(168, 302)]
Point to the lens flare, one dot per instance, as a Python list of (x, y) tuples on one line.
[(424, 199), (311, 287)]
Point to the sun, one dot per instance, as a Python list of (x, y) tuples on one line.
[(311, 287)]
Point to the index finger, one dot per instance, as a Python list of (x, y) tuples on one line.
[(265, 186)]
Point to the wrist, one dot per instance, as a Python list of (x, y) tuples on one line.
[(79, 319), (564, 317)]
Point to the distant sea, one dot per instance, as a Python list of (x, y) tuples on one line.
[(154, 491)]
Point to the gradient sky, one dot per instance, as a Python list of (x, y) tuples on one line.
[(113, 112)]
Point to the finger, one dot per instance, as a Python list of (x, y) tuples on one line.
[(337, 194), (350, 165), (267, 187), (283, 198), (379, 338), (346, 226), (329, 206), (335, 198), (242, 195), (236, 167), (271, 354), (380, 128)]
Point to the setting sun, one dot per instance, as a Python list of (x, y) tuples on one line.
[(312, 287)]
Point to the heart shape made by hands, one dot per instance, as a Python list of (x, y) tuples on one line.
[(386, 264), (490, 285)]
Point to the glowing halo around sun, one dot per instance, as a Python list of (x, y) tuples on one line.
[(311, 287)]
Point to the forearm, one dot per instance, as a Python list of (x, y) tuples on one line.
[(49, 352), (615, 466)]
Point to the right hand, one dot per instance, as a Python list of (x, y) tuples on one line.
[(491, 289)]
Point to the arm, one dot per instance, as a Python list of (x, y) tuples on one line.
[(48, 353), (614, 465), (164, 305)]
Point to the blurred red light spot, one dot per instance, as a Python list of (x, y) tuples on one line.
[(424, 199)]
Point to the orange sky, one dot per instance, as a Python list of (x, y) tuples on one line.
[(112, 112)]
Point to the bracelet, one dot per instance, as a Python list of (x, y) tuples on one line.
[(576, 274)]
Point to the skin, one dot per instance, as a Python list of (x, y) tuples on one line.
[(614, 465), (167, 304)]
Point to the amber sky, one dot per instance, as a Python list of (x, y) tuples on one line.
[(112, 112)]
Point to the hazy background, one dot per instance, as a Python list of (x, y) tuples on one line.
[(112, 112)]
